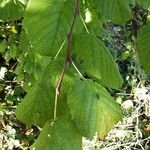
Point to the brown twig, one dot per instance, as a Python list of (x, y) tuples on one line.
[(68, 59)]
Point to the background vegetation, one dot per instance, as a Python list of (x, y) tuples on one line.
[(133, 132)]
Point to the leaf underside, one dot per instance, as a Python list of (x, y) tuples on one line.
[(92, 108)]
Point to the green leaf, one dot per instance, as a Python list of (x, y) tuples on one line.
[(38, 105), (3, 47), (96, 61), (116, 10), (12, 10), (92, 20), (92, 108), (47, 23), (144, 3), (61, 134), (143, 47)]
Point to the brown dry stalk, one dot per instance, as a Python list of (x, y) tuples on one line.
[(68, 59)]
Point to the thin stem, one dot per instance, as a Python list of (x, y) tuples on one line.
[(69, 37), (57, 90), (77, 69), (16, 63), (84, 24), (55, 107), (68, 59), (61, 47)]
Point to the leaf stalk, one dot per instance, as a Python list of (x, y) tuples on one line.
[(68, 58)]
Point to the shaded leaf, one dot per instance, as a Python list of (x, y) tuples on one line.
[(143, 47), (143, 3), (116, 10), (38, 105), (96, 61), (3, 47), (12, 10)]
